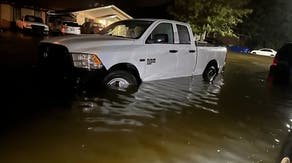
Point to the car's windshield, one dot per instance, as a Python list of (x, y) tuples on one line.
[(71, 24), (33, 19), (128, 28)]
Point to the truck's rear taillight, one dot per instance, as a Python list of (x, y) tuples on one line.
[(63, 28), (275, 61)]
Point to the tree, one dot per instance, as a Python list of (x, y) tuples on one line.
[(270, 23), (210, 16)]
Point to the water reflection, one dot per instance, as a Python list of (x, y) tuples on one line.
[(152, 99), (187, 119), (286, 149)]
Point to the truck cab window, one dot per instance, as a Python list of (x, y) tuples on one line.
[(162, 34), (183, 34), (133, 29), (120, 30)]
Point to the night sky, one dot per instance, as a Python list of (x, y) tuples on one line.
[(135, 8)]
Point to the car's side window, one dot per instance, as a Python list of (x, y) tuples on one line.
[(162, 34), (183, 34), (266, 50)]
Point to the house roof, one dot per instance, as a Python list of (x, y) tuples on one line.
[(106, 11)]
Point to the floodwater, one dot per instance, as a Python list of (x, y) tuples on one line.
[(238, 118)]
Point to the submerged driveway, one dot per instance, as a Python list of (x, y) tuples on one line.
[(238, 118)]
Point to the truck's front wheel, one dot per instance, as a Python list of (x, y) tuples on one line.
[(121, 80)]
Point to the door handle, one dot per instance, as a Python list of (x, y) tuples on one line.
[(192, 51), (173, 51)]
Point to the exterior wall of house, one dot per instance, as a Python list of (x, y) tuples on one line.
[(107, 20), (6, 16), (6, 12), (40, 14), (43, 16), (26, 11), (81, 17), (9, 14)]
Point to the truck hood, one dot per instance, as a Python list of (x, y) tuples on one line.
[(89, 42)]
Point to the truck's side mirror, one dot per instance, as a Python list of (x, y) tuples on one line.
[(158, 38)]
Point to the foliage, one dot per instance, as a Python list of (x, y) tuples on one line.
[(270, 23), (211, 16)]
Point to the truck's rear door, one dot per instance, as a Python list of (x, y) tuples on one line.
[(186, 51)]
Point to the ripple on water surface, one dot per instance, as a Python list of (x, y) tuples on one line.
[(152, 98)]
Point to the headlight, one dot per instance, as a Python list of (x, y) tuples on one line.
[(88, 61), (27, 25)]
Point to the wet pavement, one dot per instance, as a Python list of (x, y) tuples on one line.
[(239, 118)]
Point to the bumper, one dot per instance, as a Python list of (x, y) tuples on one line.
[(77, 77), (85, 76), (45, 32), (56, 65), (36, 31), (68, 32)]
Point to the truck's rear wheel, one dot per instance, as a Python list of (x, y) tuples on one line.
[(210, 73), (121, 80)]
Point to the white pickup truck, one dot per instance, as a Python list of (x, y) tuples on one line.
[(34, 24), (131, 51)]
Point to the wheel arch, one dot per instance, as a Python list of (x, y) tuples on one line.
[(127, 67), (208, 70), (212, 62)]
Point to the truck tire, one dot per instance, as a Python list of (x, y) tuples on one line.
[(210, 73), (121, 80)]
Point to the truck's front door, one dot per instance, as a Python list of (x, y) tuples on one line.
[(161, 60)]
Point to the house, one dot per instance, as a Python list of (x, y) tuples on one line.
[(6, 15), (10, 12), (105, 15)]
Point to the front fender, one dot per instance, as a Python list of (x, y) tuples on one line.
[(111, 56)]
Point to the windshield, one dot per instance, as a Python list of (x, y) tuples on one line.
[(33, 19), (71, 24), (128, 28)]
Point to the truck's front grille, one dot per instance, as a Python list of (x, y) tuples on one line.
[(55, 60)]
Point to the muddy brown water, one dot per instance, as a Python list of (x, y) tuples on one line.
[(238, 118)]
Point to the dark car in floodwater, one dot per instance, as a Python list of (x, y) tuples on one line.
[(281, 68)]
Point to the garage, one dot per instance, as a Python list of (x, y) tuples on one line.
[(105, 15)]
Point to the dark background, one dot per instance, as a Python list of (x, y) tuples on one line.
[(135, 8)]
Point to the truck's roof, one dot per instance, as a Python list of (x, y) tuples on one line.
[(147, 19), (158, 20)]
